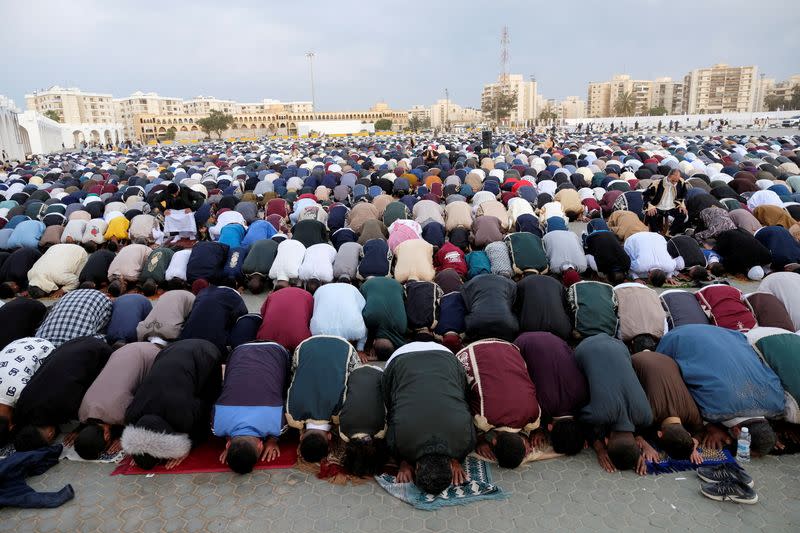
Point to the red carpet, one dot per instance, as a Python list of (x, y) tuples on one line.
[(205, 458)]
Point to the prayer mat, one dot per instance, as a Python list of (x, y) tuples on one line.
[(205, 458), (6, 450), (331, 467), (478, 487), (68, 452), (536, 454), (710, 458)]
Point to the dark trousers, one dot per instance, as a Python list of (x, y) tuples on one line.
[(656, 221)]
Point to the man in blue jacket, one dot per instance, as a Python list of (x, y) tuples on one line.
[(730, 384)]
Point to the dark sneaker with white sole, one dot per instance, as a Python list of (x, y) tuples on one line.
[(723, 472), (729, 490)]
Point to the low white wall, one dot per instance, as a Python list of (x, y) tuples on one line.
[(685, 121), (45, 135)]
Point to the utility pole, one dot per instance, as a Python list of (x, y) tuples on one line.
[(310, 56), (504, 56), (447, 110)]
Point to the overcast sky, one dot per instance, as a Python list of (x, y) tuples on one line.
[(402, 52)]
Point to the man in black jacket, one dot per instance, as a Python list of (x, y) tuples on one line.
[(489, 300), (177, 198), (429, 423), (54, 393), (172, 408), (666, 198)]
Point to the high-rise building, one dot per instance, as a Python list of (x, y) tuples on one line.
[(721, 89), (779, 95), (445, 113), (603, 96), (421, 114), (667, 94), (139, 103), (598, 99), (202, 105), (527, 103), (571, 107), (72, 105)]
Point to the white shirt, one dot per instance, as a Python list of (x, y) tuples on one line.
[(177, 265), (337, 311), (228, 217), (287, 261), (648, 251), (318, 263), (412, 347)]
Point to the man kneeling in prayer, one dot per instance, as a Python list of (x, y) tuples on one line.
[(428, 417), (249, 412)]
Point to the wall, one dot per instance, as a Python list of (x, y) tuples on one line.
[(736, 119), (11, 142), (44, 134)]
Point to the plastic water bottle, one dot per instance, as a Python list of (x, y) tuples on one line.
[(743, 446)]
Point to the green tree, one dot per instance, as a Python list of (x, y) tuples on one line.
[(773, 101), (657, 111), (416, 123), (170, 135), (384, 124), (500, 104), (215, 122), (794, 102), (548, 114), (625, 104), (53, 115)]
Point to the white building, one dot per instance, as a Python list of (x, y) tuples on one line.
[(572, 107), (334, 127), (44, 134), (721, 89), (527, 108), (140, 103), (72, 105), (13, 145), (445, 113)]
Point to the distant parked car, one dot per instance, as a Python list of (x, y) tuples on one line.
[(791, 122)]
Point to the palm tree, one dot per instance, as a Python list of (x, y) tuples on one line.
[(625, 104)]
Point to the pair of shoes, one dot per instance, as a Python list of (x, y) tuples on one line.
[(729, 490), (727, 482), (724, 472)]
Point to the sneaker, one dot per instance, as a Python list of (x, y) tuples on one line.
[(729, 490), (723, 472)]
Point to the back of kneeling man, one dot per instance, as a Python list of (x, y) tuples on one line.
[(428, 417), (249, 412), (502, 398)]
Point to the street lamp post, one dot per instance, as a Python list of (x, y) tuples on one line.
[(310, 56)]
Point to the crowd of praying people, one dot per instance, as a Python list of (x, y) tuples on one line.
[(423, 298)]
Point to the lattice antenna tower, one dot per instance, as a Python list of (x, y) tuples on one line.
[(505, 40)]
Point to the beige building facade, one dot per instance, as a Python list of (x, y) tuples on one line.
[(721, 89), (602, 97), (527, 109), (571, 107), (148, 128), (73, 105), (446, 113)]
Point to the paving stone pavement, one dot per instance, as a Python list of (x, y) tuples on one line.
[(563, 494)]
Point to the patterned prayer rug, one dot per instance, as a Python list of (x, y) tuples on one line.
[(478, 487)]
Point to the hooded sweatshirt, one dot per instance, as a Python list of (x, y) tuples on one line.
[(171, 408)]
